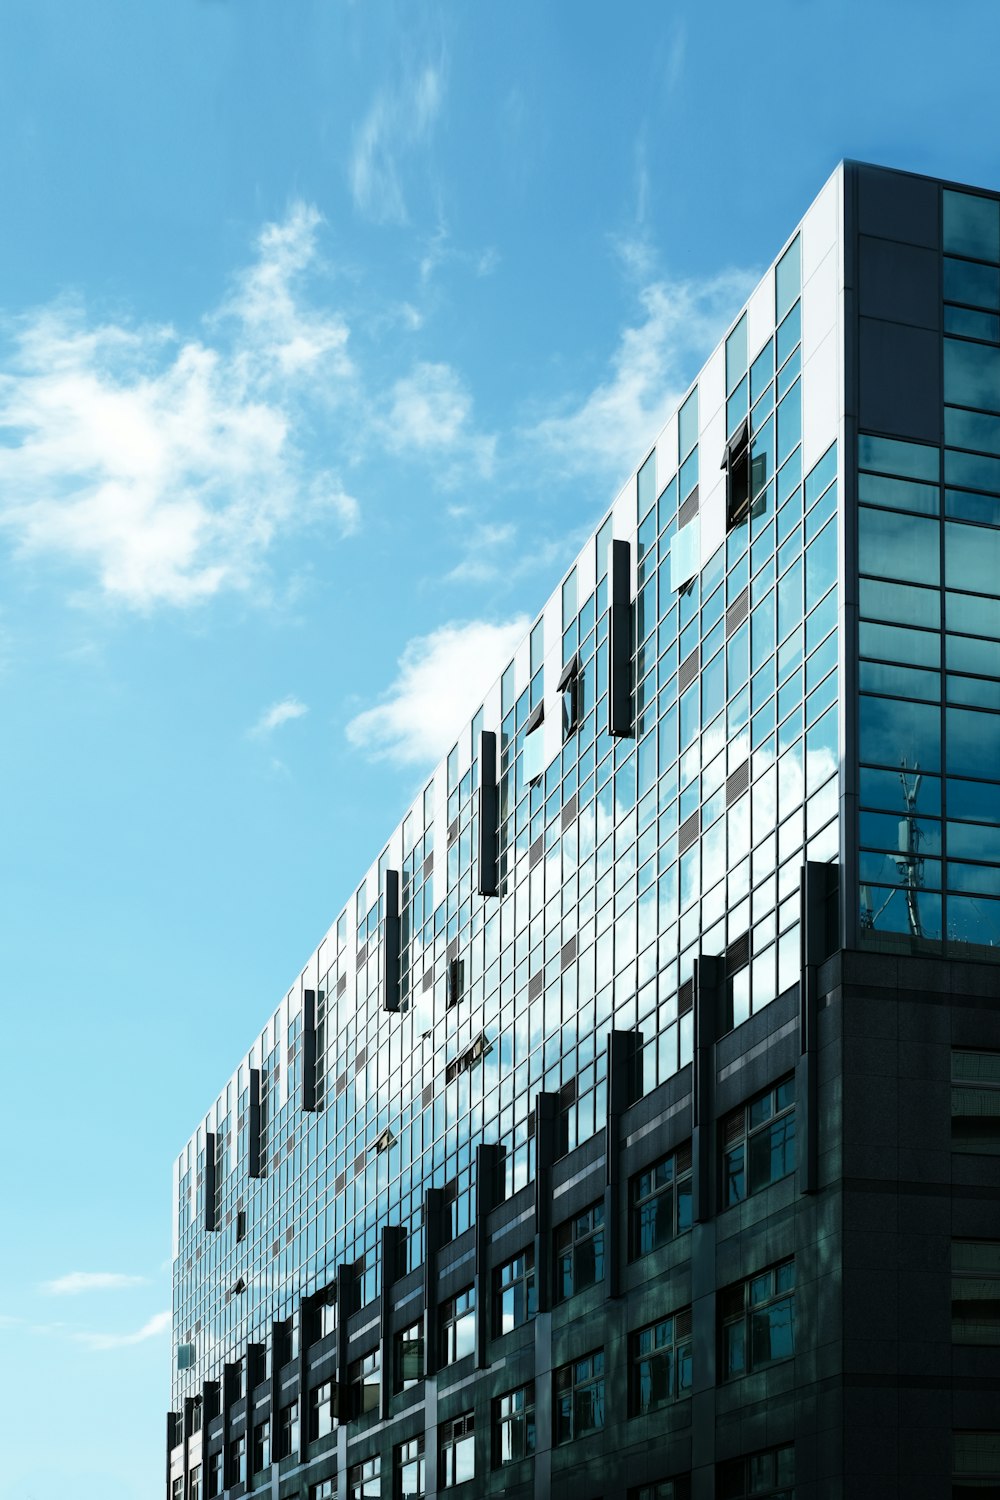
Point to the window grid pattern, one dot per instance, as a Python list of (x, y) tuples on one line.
[(603, 902)]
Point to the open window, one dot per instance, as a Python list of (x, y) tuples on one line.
[(746, 476), (736, 462), (570, 691), (534, 745)]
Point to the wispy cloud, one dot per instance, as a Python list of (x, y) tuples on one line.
[(430, 410), (486, 545), (441, 678), (168, 465), (153, 1328), (398, 121), (606, 430), (278, 714), (75, 1282)]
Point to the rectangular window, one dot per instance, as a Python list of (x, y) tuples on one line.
[(408, 1357), (678, 1488), (660, 1202), (363, 1376), (514, 1292), (364, 1481), (177, 1488), (457, 1461), (321, 1411), (514, 1426), (458, 1326), (579, 1397), (660, 1363), (975, 1102), (214, 1480), (975, 1292), (758, 1321), (289, 1429), (285, 1344), (261, 1447), (533, 758), (238, 1460), (758, 1142), (409, 1464), (326, 1489), (762, 1476), (579, 1252), (976, 1465), (194, 1483)]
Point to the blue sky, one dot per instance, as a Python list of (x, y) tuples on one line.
[(327, 333)]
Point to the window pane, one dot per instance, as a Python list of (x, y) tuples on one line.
[(972, 226)]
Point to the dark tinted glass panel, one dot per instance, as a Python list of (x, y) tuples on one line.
[(972, 375), (971, 225), (895, 733), (963, 282)]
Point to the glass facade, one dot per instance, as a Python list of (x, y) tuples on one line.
[(813, 657), (620, 859), (929, 632)]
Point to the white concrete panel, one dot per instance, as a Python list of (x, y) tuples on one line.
[(820, 304), (711, 446), (491, 708), (711, 393), (586, 572), (624, 525), (713, 517), (821, 225), (666, 451), (760, 316), (821, 400)]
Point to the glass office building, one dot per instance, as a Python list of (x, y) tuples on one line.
[(634, 1131)]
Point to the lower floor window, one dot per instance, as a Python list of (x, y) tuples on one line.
[(579, 1393), (364, 1481), (976, 1465), (238, 1460), (661, 1363), (410, 1480), (213, 1475), (457, 1461), (261, 1447), (678, 1488), (758, 1321), (514, 1426), (326, 1489), (760, 1476)]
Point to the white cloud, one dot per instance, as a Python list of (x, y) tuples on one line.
[(430, 410), (278, 714), (169, 465), (153, 1328), (397, 122), (650, 370), (75, 1282), (441, 680), (485, 547)]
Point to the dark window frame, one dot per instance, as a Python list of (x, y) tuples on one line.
[(756, 1136), (579, 1252), (663, 1190), (523, 1279), (749, 1309), (454, 1440), (578, 1388), (451, 1318), (519, 1420), (663, 1367), (408, 1357)]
